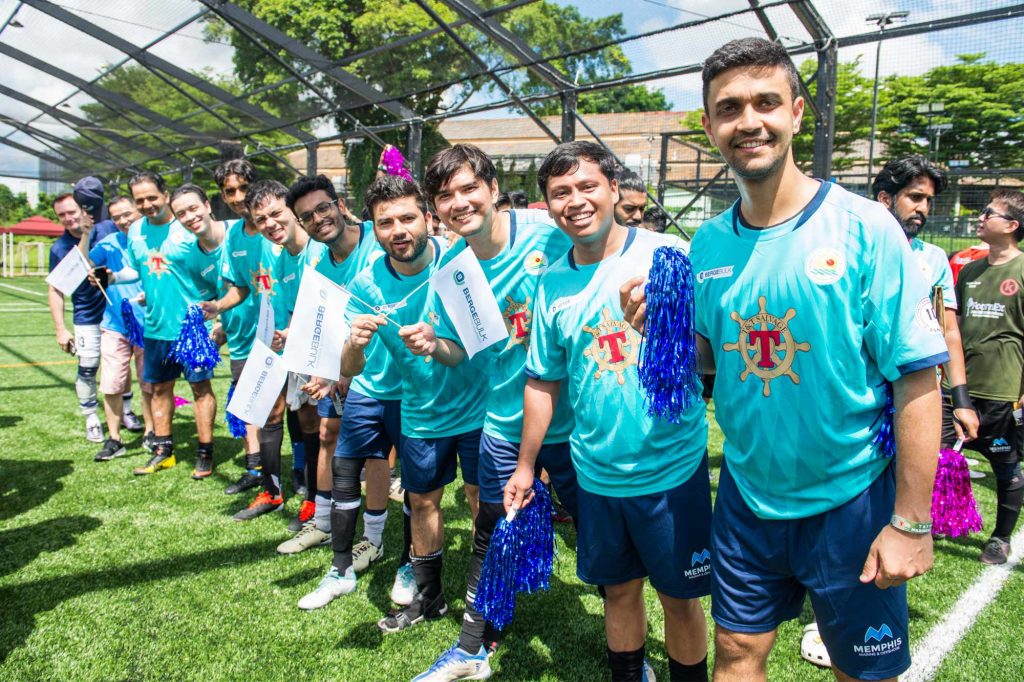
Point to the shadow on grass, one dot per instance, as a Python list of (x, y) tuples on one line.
[(23, 545), (7, 420), (26, 484), (23, 602)]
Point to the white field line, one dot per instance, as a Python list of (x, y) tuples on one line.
[(943, 638), (24, 291)]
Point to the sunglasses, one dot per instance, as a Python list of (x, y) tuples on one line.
[(988, 212)]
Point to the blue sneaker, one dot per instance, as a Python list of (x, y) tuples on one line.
[(457, 664), (648, 673)]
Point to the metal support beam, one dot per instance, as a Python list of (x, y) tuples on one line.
[(568, 115), (425, 6), (509, 41), (825, 82), (311, 159), (155, 64), (415, 149), (773, 35), (101, 155), (663, 167), (41, 155), (358, 89)]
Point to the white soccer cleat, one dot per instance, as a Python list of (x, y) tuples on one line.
[(332, 586), (404, 589), (457, 664)]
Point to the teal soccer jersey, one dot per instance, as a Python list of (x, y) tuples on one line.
[(380, 378), (580, 339), (808, 321), (935, 267), (239, 322), (154, 251), (287, 275), (437, 401), (514, 275)]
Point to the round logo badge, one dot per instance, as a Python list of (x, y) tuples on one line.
[(825, 266), (459, 277), (535, 262), (1009, 287), (925, 317)]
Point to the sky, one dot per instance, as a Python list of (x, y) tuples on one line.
[(141, 21)]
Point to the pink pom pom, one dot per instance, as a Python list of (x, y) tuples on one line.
[(394, 163), (181, 402), (954, 511)]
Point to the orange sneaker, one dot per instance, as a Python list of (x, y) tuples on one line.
[(263, 504), (306, 512)]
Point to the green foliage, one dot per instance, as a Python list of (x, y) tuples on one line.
[(612, 100), (853, 116), (13, 207)]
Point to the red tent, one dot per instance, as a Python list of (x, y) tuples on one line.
[(37, 225)]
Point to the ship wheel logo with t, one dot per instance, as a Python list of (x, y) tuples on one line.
[(767, 346), (615, 346)]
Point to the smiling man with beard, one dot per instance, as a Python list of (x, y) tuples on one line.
[(908, 187)]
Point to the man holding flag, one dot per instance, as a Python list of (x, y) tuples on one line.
[(286, 247), (513, 251), (441, 408)]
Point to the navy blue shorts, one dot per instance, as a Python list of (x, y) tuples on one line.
[(326, 410), (763, 568), (430, 463), (369, 427), (158, 368), (665, 536), (498, 459)]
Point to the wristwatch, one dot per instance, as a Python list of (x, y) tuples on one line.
[(900, 523)]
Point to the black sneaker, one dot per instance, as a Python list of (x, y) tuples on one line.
[(161, 459), (111, 449), (299, 482), (996, 552), (148, 440), (204, 466), (413, 614), (263, 504), (246, 481)]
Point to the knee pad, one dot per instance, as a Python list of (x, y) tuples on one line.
[(346, 479), (87, 373), (85, 389)]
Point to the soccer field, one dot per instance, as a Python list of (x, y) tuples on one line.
[(105, 576)]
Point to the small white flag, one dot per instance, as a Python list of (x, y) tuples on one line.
[(265, 323), (259, 385), (470, 303), (318, 329), (69, 273)]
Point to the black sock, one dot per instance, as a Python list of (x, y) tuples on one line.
[(205, 449), (428, 574), (626, 666), (345, 505), (311, 444), (163, 445), (253, 462), (680, 672), (406, 532), (271, 436), (1009, 497), (473, 624)]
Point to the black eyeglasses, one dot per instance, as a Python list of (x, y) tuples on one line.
[(988, 212), (322, 209)]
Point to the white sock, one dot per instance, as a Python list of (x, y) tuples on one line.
[(322, 515), (373, 526)]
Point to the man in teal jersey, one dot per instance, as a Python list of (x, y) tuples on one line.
[(644, 500), (286, 247), (343, 249), (157, 247), (442, 406), (242, 250), (815, 313), (116, 351), (513, 250), (907, 187)]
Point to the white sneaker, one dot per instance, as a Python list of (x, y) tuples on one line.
[(330, 588), (93, 430), (309, 536), (395, 490), (364, 554), (648, 673), (131, 422), (812, 649), (404, 590), (456, 664)]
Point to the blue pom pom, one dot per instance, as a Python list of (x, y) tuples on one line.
[(235, 425), (133, 330), (520, 558), (886, 437), (669, 367), (194, 348)]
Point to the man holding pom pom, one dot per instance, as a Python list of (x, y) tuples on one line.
[(825, 342), (644, 501)]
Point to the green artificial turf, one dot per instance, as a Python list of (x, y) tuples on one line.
[(105, 576)]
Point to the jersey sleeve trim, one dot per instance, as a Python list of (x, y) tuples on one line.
[(923, 363)]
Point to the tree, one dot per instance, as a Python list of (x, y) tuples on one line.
[(612, 100), (13, 207)]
